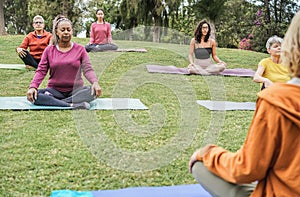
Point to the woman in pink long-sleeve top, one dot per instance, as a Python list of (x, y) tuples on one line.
[(65, 61), (100, 35)]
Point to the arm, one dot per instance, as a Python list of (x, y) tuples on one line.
[(191, 52), (256, 156), (41, 71), (92, 36), (38, 77), (24, 45), (109, 36), (90, 75), (259, 78), (214, 52)]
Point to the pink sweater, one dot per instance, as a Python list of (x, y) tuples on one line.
[(65, 68), (100, 33)]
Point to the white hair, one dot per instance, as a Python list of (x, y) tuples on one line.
[(272, 40)]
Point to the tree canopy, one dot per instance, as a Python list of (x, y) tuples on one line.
[(161, 20)]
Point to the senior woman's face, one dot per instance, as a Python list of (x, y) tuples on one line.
[(64, 31)]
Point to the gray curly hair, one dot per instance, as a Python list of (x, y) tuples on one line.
[(272, 40)]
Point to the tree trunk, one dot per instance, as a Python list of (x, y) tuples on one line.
[(2, 21), (130, 34), (156, 29), (65, 7)]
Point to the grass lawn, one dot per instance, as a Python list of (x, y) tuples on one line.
[(42, 151)]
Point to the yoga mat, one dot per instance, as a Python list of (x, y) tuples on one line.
[(13, 66), (21, 103), (238, 72), (167, 69), (131, 50), (193, 190), (226, 105)]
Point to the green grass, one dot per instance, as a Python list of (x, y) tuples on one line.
[(42, 151)]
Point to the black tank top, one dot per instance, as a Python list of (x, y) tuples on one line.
[(203, 53)]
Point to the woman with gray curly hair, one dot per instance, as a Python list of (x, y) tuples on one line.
[(270, 70)]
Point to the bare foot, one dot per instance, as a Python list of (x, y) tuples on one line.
[(29, 67)]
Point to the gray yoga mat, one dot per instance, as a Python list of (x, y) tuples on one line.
[(21, 103), (13, 66), (226, 105), (132, 50), (237, 72)]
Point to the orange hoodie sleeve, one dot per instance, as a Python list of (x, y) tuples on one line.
[(253, 160), (25, 43)]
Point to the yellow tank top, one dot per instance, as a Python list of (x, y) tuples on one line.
[(274, 72)]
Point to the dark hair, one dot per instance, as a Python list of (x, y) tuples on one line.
[(101, 9), (59, 18), (198, 31)]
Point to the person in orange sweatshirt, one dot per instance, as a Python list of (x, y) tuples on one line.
[(268, 163), (36, 41)]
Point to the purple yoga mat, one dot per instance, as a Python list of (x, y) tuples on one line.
[(167, 69), (238, 72)]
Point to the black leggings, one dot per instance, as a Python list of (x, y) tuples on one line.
[(52, 97), (30, 61)]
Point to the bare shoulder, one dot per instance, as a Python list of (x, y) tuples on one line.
[(193, 41), (212, 41)]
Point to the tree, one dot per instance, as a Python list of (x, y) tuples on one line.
[(16, 18), (236, 23), (2, 21), (273, 18), (211, 10)]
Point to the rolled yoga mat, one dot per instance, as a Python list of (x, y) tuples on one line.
[(21, 103), (237, 72), (192, 190), (226, 105)]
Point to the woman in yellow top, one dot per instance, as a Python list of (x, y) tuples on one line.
[(269, 69)]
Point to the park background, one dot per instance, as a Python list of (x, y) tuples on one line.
[(48, 150), (237, 23)]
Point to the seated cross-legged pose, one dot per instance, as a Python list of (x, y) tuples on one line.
[(267, 164), (66, 61), (36, 41), (203, 47), (100, 35), (270, 70)]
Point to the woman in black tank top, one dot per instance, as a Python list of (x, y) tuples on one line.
[(202, 47)]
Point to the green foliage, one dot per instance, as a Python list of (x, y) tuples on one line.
[(233, 19)]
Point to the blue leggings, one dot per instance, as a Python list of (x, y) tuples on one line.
[(52, 97)]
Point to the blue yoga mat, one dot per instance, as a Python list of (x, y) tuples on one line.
[(226, 105), (21, 103), (193, 190)]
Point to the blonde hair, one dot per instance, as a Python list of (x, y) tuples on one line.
[(291, 47)]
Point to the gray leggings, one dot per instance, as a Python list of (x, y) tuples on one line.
[(52, 97), (217, 186)]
